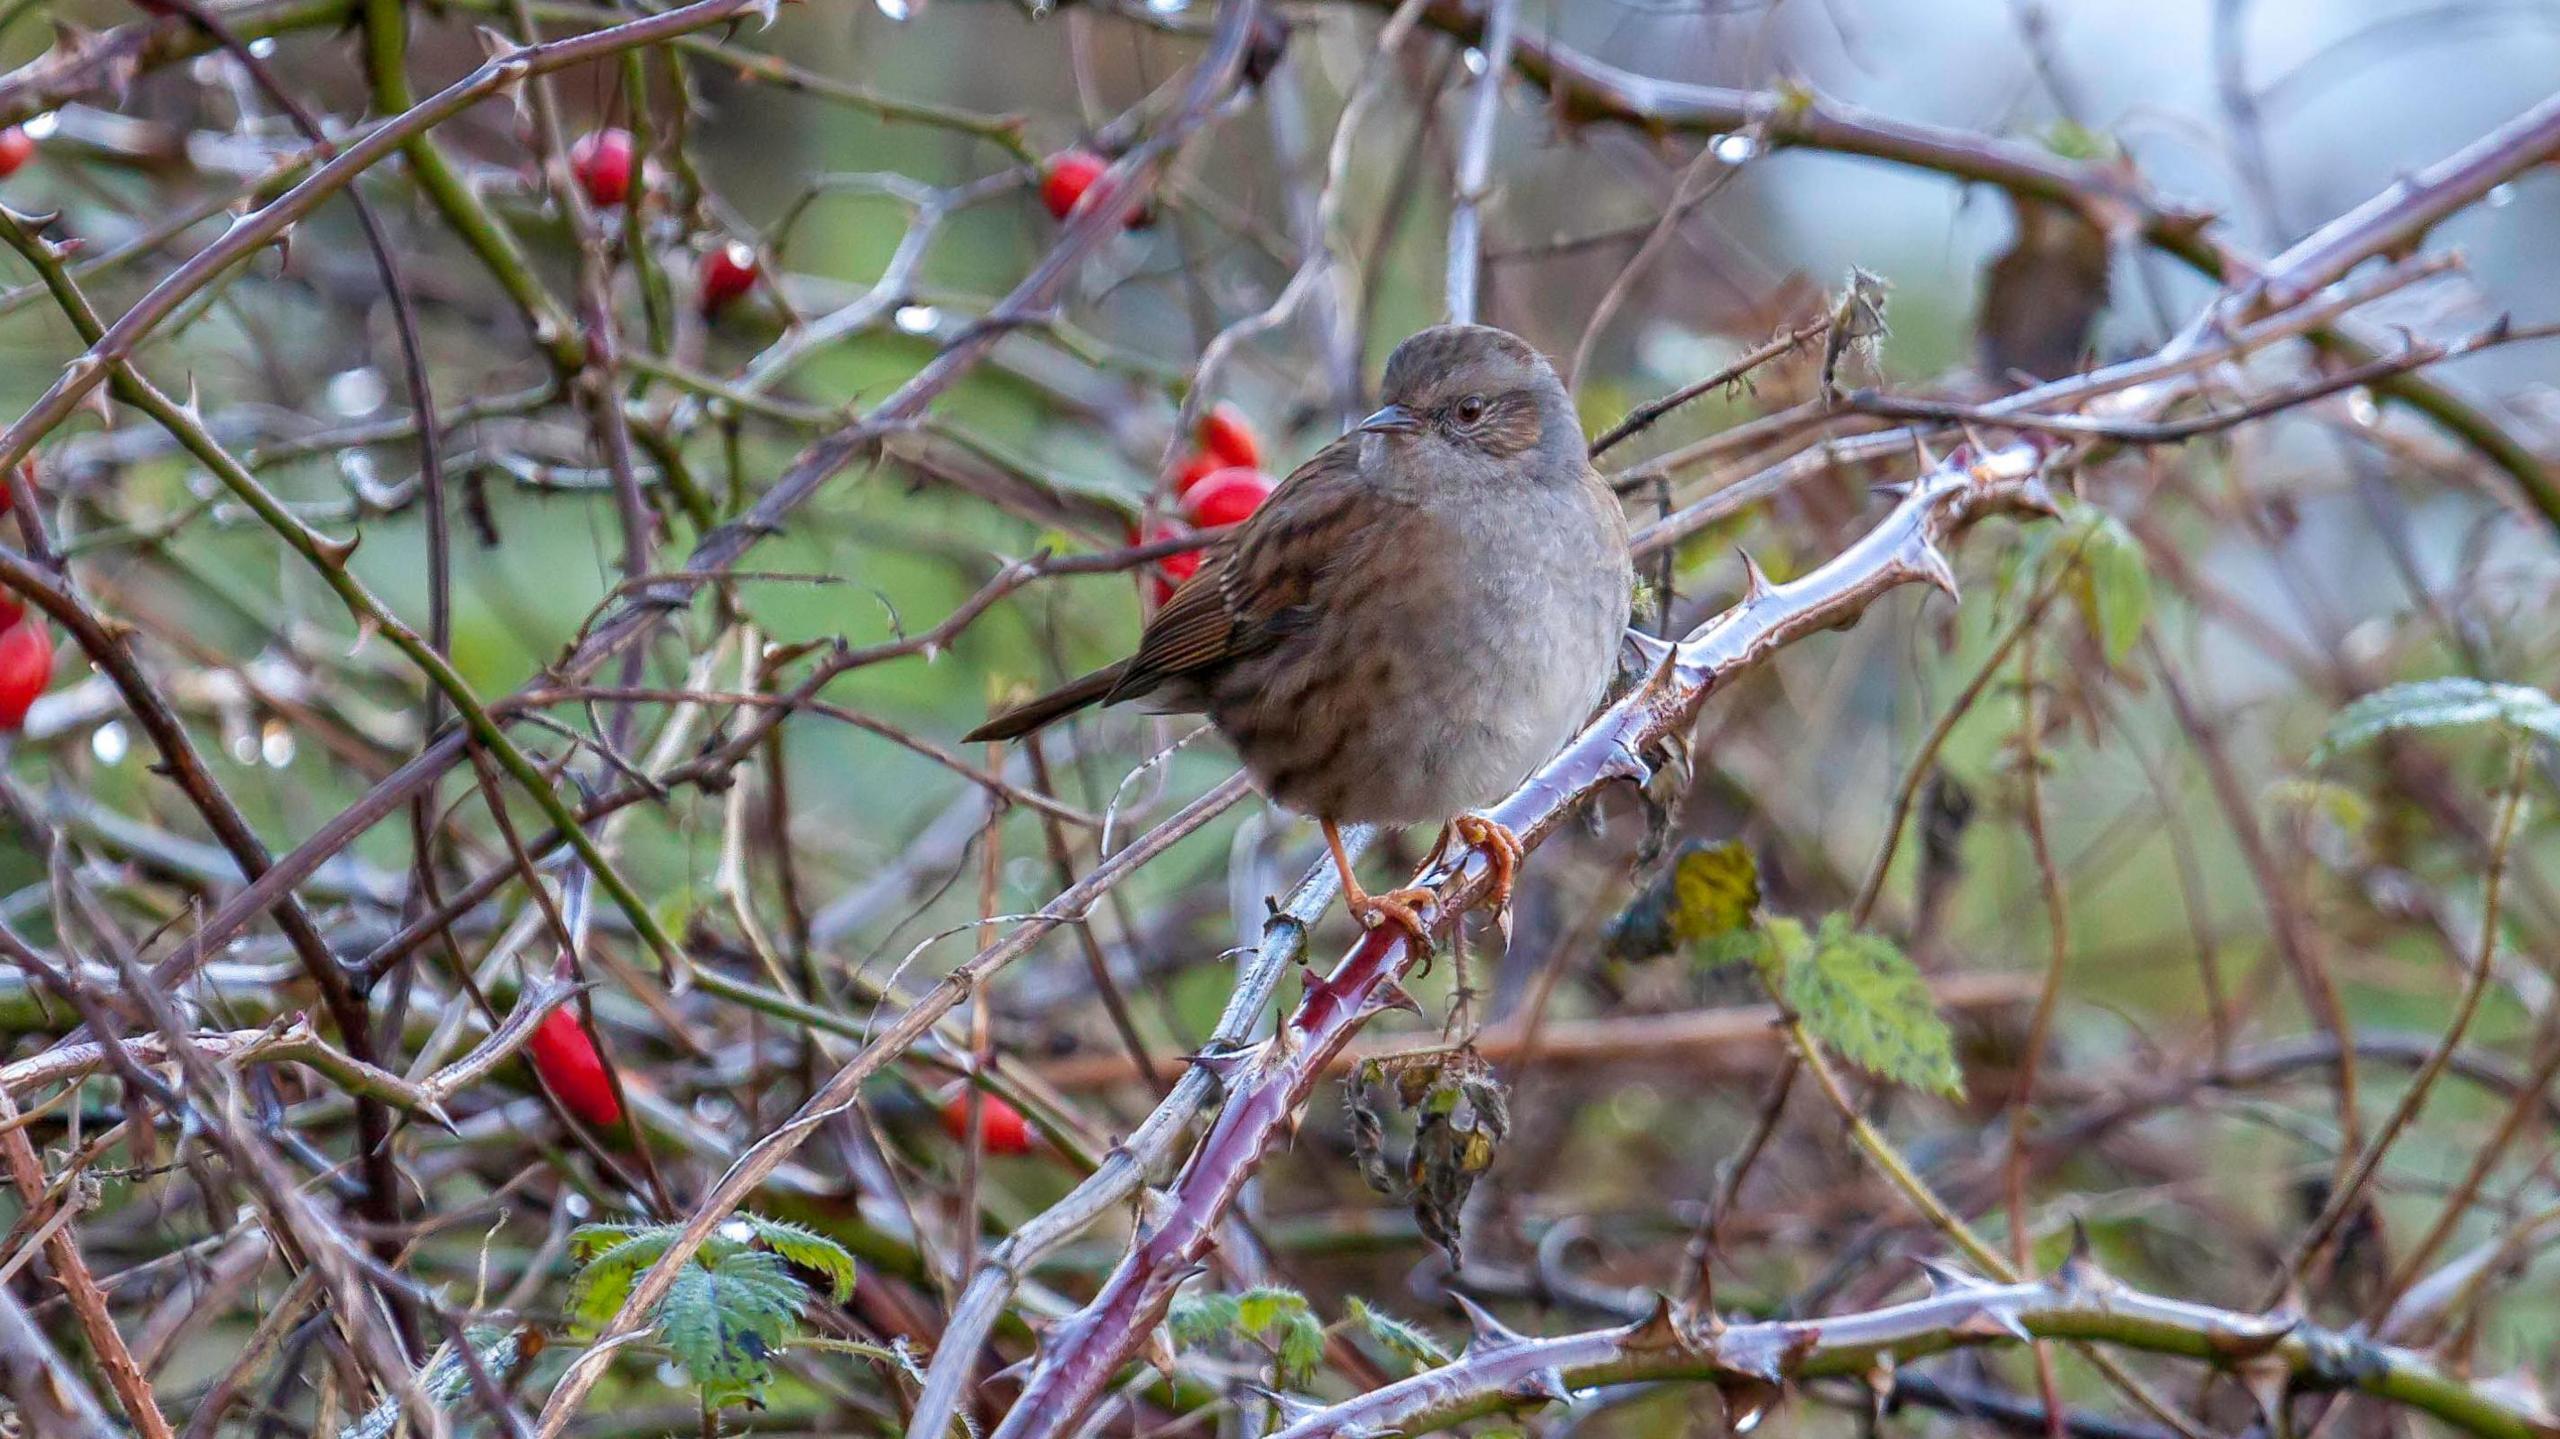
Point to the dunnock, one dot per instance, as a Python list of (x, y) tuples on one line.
[(1414, 620)]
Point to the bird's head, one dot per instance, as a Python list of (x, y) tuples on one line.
[(1481, 392)]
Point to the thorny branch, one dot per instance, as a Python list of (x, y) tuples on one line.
[(263, 1095)]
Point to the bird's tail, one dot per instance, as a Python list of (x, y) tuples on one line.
[(1066, 699)]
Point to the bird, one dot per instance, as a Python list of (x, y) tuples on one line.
[(1415, 619)]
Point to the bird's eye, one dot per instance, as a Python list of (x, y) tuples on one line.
[(1470, 409)]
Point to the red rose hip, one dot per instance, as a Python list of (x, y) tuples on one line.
[(602, 161), (1195, 467), (1006, 1131), (1226, 497), (26, 666), (17, 147), (567, 1061), (1225, 433), (727, 273)]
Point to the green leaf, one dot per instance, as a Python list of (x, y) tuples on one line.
[(1259, 1308), (1860, 996), (1301, 1349), (1198, 1319), (614, 1254), (2440, 704), (1741, 946), (2111, 583), (724, 1322), (807, 1248), (1399, 1337)]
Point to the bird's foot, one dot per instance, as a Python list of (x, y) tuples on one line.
[(1502, 850), (1399, 907)]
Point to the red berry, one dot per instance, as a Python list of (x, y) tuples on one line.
[(1006, 1131), (1226, 497), (1173, 569), (16, 149), (1195, 468), (1070, 174), (26, 665), (727, 273), (602, 162), (1225, 433), (567, 1061), (1181, 564)]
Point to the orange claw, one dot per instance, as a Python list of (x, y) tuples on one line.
[(1396, 907), (1502, 850)]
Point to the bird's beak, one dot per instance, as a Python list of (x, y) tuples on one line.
[(1391, 420)]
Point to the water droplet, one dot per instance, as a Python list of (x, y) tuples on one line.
[(578, 1205), (1734, 148), (276, 744), (737, 1231), (244, 748), (2501, 196), (1748, 1420), (359, 391), (1167, 7), (263, 46), (110, 743), (1474, 60), (900, 11), (917, 319), (2362, 408), (42, 126)]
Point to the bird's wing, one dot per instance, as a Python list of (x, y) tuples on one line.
[(1252, 588)]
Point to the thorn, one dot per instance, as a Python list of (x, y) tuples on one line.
[(1391, 995), (2039, 498), (1659, 1330), (2006, 1320), (1894, 490), (1290, 1407), (1223, 1063), (1747, 1401), (1652, 652), (2080, 1272), (1945, 1278), (1939, 574), (1755, 581), (1546, 1384), (336, 551), (1490, 1334)]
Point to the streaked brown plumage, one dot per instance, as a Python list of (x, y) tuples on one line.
[(1417, 618)]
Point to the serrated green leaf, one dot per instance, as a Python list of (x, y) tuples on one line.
[(1398, 1337), (1862, 998), (605, 1281), (1783, 943), (2440, 704), (1741, 946), (1300, 1350), (1259, 1308), (724, 1322), (807, 1248), (1206, 1318), (589, 1240)]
